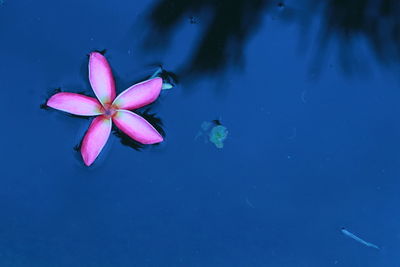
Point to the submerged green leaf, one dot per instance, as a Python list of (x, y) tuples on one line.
[(217, 135)]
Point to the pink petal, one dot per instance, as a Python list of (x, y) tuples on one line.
[(101, 78), (95, 139), (75, 104), (139, 95), (136, 127)]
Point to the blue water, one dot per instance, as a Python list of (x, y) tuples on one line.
[(310, 96)]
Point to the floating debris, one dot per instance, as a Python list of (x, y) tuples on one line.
[(356, 238), (169, 78), (214, 132), (249, 203), (166, 86), (303, 96), (157, 73)]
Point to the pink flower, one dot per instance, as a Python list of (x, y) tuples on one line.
[(108, 108)]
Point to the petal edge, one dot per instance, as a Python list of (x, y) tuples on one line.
[(139, 95)]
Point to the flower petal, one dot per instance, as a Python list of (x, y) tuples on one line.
[(75, 104), (136, 127), (101, 78), (95, 139), (139, 95)]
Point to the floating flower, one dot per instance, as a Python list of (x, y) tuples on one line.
[(110, 109)]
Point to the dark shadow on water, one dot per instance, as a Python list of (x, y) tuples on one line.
[(376, 21), (228, 25), (168, 76), (216, 122)]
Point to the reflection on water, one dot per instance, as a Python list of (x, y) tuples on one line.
[(232, 22), (376, 21), (226, 31)]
